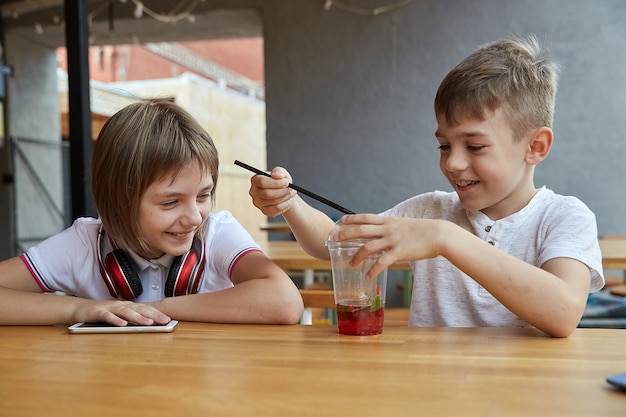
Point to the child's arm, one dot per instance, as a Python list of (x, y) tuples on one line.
[(551, 298), (23, 303), (309, 225), (263, 293)]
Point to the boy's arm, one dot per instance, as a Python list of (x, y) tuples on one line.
[(551, 298), (309, 225)]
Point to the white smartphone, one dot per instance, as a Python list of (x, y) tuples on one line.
[(82, 328)]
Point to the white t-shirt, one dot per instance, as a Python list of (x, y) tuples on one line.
[(550, 226), (68, 261)]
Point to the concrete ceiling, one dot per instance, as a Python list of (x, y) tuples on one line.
[(115, 22)]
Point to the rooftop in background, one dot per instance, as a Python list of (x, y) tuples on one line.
[(237, 63)]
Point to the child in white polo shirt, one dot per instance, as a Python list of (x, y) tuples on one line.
[(156, 252)]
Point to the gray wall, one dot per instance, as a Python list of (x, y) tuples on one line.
[(349, 97)]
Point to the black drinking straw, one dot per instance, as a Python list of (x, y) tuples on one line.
[(298, 189)]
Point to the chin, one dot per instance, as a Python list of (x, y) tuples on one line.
[(472, 207), (179, 250)]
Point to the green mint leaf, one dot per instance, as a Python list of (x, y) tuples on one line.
[(377, 303)]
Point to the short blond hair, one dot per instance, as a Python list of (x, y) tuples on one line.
[(142, 143), (511, 74)]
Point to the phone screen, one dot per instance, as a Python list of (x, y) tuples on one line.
[(130, 328)]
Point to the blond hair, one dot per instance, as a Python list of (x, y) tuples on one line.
[(511, 74), (140, 144)]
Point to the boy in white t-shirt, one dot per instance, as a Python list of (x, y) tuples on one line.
[(497, 251)]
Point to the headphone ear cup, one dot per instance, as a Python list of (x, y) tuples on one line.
[(123, 275), (182, 278)]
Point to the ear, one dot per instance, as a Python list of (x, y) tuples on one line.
[(539, 145)]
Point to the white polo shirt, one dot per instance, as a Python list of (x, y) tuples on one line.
[(68, 261)]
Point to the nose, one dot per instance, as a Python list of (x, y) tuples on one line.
[(454, 160), (192, 215)]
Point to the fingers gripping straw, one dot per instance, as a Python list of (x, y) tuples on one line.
[(299, 189)]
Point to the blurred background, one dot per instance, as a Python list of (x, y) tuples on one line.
[(338, 92)]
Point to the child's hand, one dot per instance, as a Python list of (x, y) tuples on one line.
[(401, 239), (119, 313), (272, 195)]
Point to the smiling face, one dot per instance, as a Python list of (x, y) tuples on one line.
[(172, 209), (485, 165)]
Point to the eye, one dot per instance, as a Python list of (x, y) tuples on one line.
[(205, 194), (169, 203), (443, 148), (475, 148)]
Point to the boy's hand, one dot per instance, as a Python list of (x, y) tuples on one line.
[(118, 313), (401, 239), (272, 195)]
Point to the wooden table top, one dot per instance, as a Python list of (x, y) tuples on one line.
[(290, 256), (237, 370), (278, 227)]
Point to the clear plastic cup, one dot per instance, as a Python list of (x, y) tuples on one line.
[(360, 302)]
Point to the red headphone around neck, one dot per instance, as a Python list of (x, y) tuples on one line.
[(123, 282)]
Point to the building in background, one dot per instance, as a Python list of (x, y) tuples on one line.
[(111, 63)]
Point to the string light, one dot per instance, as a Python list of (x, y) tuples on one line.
[(328, 4), (172, 17), (138, 12), (182, 11), (142, 9)]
